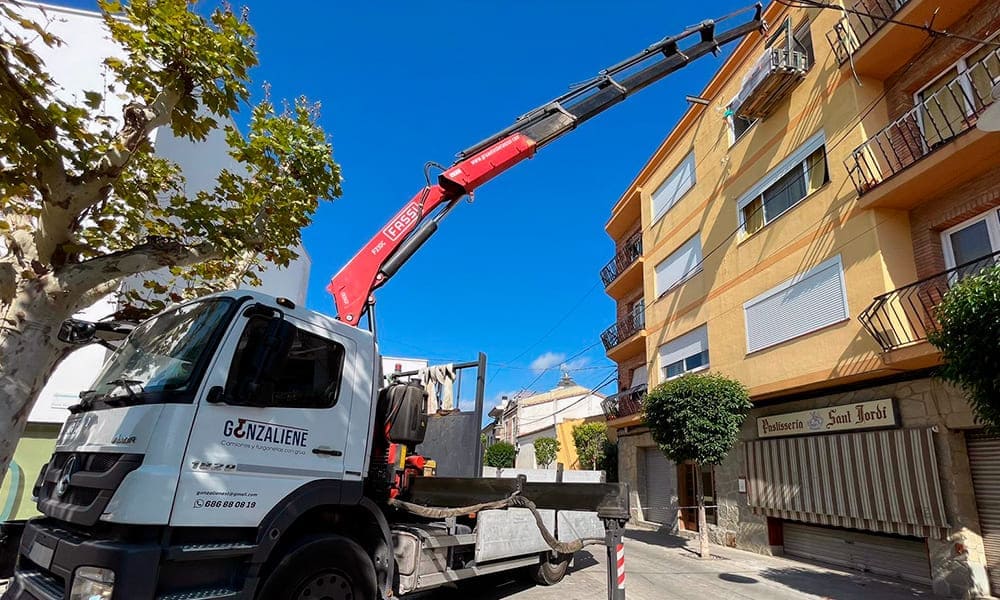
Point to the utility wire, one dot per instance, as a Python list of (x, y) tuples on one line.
[(604, 383), (927, 28)]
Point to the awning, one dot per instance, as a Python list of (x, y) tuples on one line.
[(879, 481)]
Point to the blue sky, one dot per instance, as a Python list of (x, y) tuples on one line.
[(516, 273)]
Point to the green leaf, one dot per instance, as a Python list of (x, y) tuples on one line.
[(93, 99)]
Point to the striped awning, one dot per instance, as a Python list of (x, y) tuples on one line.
[(879, 481)]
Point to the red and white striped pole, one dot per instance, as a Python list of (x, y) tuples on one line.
[(616, 560)]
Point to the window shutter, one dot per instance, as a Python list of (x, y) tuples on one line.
[(683, 263), (792, 161), (679, 348), (799, 306), (676, 185), (640, 376)]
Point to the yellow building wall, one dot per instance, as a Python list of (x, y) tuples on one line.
[(874, 246), (567, 449)]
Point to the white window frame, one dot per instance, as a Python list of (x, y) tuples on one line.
[(992, 218), (704, 367), (694, 181), (794, 160), (836, 260), (687, 274)]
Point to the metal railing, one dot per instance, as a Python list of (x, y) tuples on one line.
[(935, 121), (630, 252), (849, 34), (905, 316), (623, 329), (624, 403)]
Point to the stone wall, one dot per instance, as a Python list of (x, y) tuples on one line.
[(632, 470)]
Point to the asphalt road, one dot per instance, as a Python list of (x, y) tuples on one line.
[(661, 567)]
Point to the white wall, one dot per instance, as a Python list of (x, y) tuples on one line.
[(548, 414), (526, 449)]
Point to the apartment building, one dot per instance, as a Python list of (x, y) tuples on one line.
[(795, 231)]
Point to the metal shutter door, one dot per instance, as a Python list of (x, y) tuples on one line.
[(984, 458), (879, 554), (659, 505)]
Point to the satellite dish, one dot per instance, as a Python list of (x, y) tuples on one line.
[(990, 119)]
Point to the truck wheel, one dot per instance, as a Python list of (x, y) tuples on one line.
[(328, 567), (551, 569)]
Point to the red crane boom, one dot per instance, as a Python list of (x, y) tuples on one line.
[(399, 239)]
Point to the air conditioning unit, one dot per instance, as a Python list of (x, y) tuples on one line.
[(777, 71), (770, 81)]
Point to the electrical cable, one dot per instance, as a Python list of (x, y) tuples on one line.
[(926, 28), (606, 381)]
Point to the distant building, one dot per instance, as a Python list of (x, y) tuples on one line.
[(523, 419)]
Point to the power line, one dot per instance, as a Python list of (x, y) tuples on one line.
[(926, 28), (547, 369), (605, 382)]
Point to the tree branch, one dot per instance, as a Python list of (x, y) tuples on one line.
[(155, 253), (55, 224), (96, 293), (8, 282)]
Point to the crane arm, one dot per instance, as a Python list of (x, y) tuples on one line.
[(400, 238)]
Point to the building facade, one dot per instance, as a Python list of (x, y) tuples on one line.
[(553, 414), (795, 231)]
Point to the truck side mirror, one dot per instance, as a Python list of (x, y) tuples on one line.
[(76, 332), (263, 357)]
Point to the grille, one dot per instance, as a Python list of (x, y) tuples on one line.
[(84, 498)]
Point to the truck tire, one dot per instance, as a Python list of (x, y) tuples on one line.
[(551, 569), (327, 566)]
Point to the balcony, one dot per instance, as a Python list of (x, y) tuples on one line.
[(876, 48), (934, 146), (625, 403), (902, 318), (626, 338), (623, 273)]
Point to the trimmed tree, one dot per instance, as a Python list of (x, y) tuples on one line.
[(697, 418), (85, 202), (546, 450), (501, 455), (591, 441), (969, 327)]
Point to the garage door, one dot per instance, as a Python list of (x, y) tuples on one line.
[(659, 504), (905, 558), (984, 458)]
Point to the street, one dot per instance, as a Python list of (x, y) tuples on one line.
[(662, 567)]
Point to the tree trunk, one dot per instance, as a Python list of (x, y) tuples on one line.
[(704, 550), (29, 352)]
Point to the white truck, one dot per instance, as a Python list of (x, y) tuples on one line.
[(239, 446)]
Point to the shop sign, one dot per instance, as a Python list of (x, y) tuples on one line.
[(876, 414)]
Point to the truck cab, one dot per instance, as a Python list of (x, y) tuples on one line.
[(191, 444)]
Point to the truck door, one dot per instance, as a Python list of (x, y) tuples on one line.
[(245, 454)]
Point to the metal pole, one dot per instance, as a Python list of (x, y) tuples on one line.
[(480, 392), (616, 559)]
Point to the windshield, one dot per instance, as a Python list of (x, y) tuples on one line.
[(162, 360)]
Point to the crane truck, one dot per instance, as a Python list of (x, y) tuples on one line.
[(240, 446)]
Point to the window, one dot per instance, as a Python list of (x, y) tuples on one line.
[(804, 43), (958, 93), (801, 305), (685, 354), (974, 239), (309, 376), (679, 266), (640, 376), (740, 126), (673, 189), (799, 175)]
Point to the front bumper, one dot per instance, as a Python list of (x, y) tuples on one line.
[(49, 555)]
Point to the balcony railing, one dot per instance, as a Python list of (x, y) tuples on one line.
[(905, 316), (935, 121), (624, 403), (851, 33), (630, 252), (623, 329)]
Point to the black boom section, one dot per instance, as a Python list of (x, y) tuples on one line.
[(609, 500), (617, 82)]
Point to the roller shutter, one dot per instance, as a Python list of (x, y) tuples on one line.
[(660, 502), (984, 458), (904, 558)]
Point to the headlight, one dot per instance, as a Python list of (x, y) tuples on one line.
[(92, 583)]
